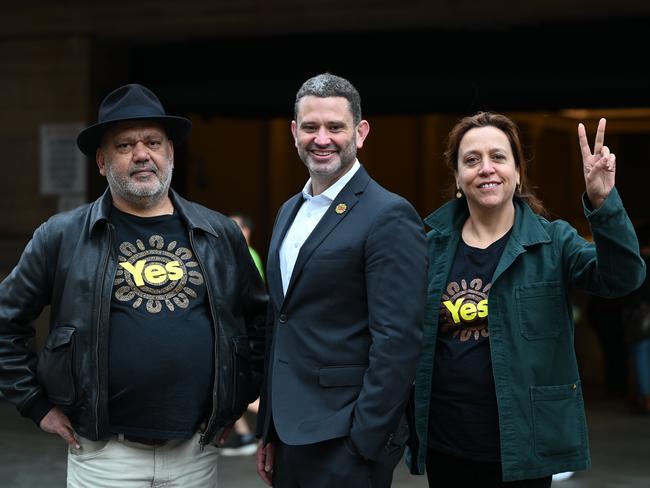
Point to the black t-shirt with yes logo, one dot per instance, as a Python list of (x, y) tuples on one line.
[(463, 418), (161, 337)]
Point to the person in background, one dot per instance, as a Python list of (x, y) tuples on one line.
[(636, 322), (605, 317), (156, 341), (498, 400), (242, 440), (346, 274), (245, 224)]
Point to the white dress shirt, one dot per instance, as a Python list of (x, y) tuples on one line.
[(308, 216)]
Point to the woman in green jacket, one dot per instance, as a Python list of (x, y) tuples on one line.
[(498, 400)]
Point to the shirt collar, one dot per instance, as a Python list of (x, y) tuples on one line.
[(332, 191)]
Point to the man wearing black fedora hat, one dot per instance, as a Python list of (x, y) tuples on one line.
[(156, 341)]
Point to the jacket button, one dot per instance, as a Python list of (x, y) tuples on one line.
[(283, 319)]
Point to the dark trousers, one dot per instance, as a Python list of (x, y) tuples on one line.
[(451, 472), (331, 464)]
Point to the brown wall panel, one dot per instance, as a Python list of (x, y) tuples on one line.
[(391, 154), (435, 178), (225, 159)]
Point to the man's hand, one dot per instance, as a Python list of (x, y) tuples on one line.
[(56, 422), (265, 461), (225, 433)]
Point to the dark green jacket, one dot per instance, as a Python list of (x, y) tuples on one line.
[(542, 421)]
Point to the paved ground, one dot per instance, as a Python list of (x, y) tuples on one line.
[(620, 444)]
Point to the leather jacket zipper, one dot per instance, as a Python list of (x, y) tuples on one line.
[(109, 228), (215, 387)]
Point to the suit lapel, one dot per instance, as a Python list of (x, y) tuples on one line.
[(347, 199), (285, 219)]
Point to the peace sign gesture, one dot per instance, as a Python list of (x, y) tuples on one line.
[(599, 168)]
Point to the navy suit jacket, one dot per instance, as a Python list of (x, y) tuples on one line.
[(345, 340)]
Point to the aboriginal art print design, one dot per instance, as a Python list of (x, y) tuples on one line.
[(156, 275), (464, 310)]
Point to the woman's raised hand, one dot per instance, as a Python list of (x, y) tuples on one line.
[(599, 167)]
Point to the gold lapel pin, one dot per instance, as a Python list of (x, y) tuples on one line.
[(340, 208)]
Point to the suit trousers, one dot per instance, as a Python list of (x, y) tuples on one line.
[(331, 464), (120, 463)]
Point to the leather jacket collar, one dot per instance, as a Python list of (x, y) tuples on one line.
[(101, 210)]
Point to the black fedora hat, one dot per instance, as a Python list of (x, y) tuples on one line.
[(130, 102)]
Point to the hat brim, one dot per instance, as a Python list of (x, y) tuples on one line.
[(89, 139)]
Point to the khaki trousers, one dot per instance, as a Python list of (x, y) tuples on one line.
[(120, 463)]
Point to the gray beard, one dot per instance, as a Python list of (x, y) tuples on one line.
[(140, 197)]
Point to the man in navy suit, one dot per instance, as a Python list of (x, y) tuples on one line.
[(347, 279)]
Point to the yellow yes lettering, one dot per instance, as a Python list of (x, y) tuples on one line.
[(174, 269), (154, 273), (136, 271), (466, 311)]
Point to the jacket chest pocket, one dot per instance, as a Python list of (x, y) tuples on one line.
[(541, 310), (56, 366)]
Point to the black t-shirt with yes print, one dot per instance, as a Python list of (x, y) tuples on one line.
[(161, 337), (463, 419)]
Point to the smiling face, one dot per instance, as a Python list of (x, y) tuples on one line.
[(486, 171), (137, 159), (326, 138)]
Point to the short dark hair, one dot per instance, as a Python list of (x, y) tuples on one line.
[(329, 85)]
